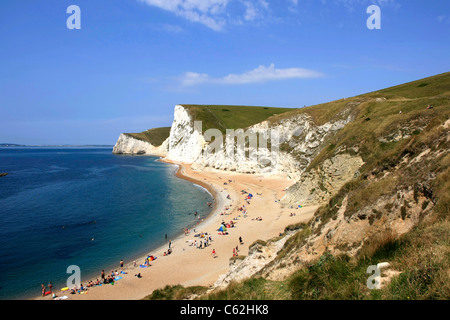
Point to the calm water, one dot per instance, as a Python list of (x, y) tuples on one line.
[(84, 207)]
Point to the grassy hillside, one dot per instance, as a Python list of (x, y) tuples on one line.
[(220, 117), (155, 136), (224, 117), (382, 115), (390, 127)]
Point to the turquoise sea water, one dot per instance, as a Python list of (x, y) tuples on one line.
[(85, 207)]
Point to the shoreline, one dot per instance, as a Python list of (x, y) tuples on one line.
[(178, 236), (197, 265), (215, 193)]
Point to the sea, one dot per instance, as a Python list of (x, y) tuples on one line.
[(85, 207)]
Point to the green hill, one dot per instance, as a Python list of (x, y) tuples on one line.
[(220, 117), (224, 117), (154, 136)]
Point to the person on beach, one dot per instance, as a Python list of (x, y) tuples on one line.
[(121, 263), (213, 253), (103, 275), (43, 289), (50, 286)]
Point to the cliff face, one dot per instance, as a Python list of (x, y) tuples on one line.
[(185, 142), (318, 185), (283, 146), (128, 145), (289, 145)]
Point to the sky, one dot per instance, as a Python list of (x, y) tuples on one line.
[(132, 61)]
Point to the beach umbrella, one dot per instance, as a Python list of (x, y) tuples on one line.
[(222, 228)]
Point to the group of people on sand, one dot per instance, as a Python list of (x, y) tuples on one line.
[(226, 183), (104, 279), (202, 243), (236, 249), (224, 213), (44, 289), (169, 250), (243, 209)]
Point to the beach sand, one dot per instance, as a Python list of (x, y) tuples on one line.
[(190, 266)]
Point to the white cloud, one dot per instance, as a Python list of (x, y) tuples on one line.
[(443, 19), (207, 12), (192, 79), (351, 4), (258, 75), (292, 6), (211, 13)]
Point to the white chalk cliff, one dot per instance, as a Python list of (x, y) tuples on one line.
[(126, 144), (185, 144), (292, 144)]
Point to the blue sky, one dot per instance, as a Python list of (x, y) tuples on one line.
[(132, 61)]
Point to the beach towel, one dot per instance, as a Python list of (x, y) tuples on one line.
[(142, 266)]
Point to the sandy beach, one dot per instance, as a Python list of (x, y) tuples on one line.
[(188, 265)]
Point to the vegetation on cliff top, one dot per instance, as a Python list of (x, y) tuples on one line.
[(224, 117), (220, 117), (154, 136)]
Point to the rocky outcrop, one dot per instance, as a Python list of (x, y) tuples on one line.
[(319, 185), (389, 217), (259, 256), (126, 144)]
